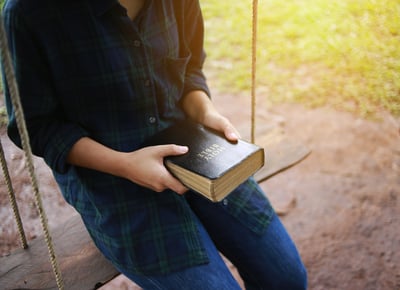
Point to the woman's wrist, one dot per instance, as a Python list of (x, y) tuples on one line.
[(197, 105)]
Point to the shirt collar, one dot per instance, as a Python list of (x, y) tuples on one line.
[(101, 6)]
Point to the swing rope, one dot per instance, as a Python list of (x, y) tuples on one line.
[(254, 69), (13, 201), (19, 116)]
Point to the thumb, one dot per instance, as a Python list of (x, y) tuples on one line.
[(231, 134), (172, 150)]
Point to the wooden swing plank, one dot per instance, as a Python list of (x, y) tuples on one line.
[(81, 264), (281, 153), (281, 150)]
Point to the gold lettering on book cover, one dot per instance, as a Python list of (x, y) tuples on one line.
[(211, 152)]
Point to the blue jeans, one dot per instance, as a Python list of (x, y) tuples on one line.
[(270, 261)]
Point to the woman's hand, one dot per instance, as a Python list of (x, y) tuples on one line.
[(220, 123), (146, 168)]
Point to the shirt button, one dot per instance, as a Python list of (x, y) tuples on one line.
[(225, 202), (136, 43), (152, 120), (147, 83)]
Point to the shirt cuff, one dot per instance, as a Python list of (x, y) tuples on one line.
[(59, 146)]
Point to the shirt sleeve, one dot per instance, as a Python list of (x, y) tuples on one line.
[(51, 134), (192, 25)]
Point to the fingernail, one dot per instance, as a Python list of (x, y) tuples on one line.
[(233, 136), (183, 149)]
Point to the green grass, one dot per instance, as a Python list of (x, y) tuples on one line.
[(345, 54)]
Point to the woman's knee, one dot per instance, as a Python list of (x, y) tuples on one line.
[(292, 277), (295, 279)]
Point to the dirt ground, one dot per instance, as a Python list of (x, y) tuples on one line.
[(343, 199)]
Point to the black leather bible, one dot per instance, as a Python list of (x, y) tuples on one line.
[(213, 166)]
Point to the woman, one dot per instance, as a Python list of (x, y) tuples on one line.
[(99, 77)]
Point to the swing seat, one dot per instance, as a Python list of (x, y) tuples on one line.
[(83, 267)]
